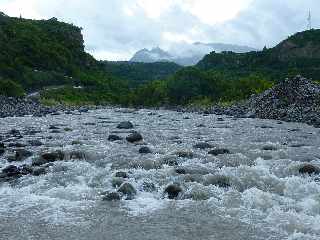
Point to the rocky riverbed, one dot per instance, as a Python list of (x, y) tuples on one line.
[(292, 100), (30, 106), (141, 174)]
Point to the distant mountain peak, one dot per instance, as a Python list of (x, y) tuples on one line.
[(186, 54), (154, 55)]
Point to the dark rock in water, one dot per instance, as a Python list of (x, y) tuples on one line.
[(2, 149), (148, 187), (128, 190), (134, 137), (173, 191), (185, 154), (145, 150), (11, 171), (180, 171), (309, 169), (89, 124), (48, 157), (39, 171), (53, 127), (14, 132), (125, 125), (121, 175), (20, 155), (203, 145), (201, 125), (25, 170), (111, 196), (83, 110), (76, 142), (68, 129), (220, 119), (55, 131), (113, 138), (269, 148), (17, 145), (35, 143), (219, 151)]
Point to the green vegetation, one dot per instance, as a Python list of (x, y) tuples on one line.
[(11, 89), (140, 73), (49, 55), (191, 86)]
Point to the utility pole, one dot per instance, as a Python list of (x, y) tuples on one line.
[(309, 21)]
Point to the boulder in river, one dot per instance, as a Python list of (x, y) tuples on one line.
[(48, 157), (39, 171), (203, 145), (219, 151), (20, 155), (134, 137), (125, 125), (35, 143), (11, 171), (145, 150), (121, 175), (173, 190), (269, 148), (128, 190), (309, 169), (111, 196), (2, 149), (113, 138)]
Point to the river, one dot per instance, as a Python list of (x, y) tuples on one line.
[(262, 196)]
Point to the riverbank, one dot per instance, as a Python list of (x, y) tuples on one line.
[(291, 100)]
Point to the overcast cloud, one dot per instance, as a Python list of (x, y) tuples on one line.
[(115, 29)]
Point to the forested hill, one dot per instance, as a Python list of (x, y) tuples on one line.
[(140, 73), (299, 54), (36, 53)]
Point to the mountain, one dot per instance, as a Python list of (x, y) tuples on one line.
[(299, 54), (186, 54), (153, 55)]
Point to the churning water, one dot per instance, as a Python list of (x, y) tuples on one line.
[(254, 192)]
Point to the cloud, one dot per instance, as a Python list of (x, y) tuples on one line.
[(115, 29)]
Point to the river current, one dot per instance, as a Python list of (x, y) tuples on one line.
[(254, 192)]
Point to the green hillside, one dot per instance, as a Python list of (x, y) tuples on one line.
[(140, 73), (299, 54)]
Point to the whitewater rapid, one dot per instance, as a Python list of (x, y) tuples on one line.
[(266, 197)]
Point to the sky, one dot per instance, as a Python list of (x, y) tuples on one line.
[(116, 29)]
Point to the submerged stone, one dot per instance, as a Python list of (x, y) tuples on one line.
[(145, 150), (128, 190), (134, 137), (309, 169), (125, 125), (219, 151), (173, 190), (203, 145), (113, 138), (112, 196)]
